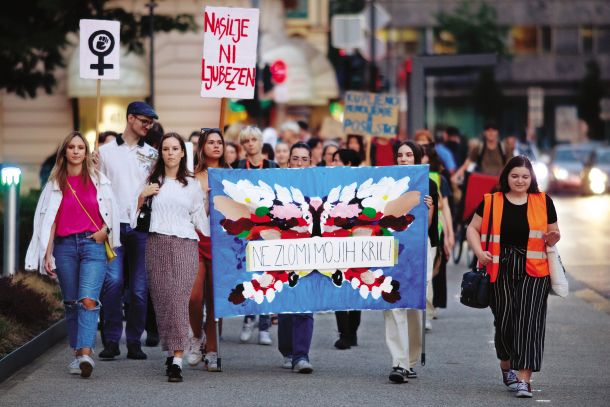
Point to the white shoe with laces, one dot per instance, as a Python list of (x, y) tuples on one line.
[(287, 364), (74, 367), (246, 330), (86, 365), (264, 338), (211, 361), (195, 354)]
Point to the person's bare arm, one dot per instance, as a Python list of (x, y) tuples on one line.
[(473, 234)]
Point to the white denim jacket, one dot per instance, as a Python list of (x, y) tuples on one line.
[(46, 211)]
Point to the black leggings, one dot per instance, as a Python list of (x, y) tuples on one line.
[(518, 302)]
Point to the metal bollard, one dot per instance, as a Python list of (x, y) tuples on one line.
[(11, 177)]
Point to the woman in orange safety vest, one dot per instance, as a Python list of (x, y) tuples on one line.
[(523, 222)]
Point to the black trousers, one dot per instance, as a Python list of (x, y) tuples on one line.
[(518, 302), (348, 323)]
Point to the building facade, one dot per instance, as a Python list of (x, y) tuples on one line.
[(30, 129), (550, 43)]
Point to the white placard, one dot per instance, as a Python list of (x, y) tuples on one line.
[(100, 45), (321, 253), (228, 66)]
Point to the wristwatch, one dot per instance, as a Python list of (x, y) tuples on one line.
[(108, 230)]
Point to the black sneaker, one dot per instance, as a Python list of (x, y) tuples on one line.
[(168, 363), (411, 373), (342, 343), (134, 351), (174, 374), (399, 375), (111, 349), (152, 339)]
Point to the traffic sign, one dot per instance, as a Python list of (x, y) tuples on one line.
[(278, 71)]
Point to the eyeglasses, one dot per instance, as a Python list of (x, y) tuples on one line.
[(145, 122), (207, 130)]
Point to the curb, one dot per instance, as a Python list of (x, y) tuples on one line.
[(24, 355)]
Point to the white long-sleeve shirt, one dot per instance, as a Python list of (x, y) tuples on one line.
[(178, 210)]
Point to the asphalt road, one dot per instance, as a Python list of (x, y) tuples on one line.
[(461, 368)]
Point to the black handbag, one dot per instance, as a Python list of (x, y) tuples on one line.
[(475, 283), (143, 220)]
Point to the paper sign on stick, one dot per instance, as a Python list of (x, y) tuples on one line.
[(371, 114), (100, 44), (228, 66)]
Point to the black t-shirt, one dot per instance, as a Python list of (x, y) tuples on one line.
[(433, 229), (243, 164), (514, 229)]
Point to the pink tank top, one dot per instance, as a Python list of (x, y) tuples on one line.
[(70, 217)]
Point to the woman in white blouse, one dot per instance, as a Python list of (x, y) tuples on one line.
[(171, 251)]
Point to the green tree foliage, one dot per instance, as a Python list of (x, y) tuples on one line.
[(474, 30), (590, 92), (34, 34)]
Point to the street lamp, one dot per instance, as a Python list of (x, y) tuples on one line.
[(11, 177), (151, 21)]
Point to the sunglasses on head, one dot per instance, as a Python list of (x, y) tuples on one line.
[(207, 130)]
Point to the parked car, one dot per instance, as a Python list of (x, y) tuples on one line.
[(596, 174), (567, 165)]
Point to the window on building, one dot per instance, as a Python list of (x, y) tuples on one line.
[(586, 39), (546, 39), (523, 40), (565, 40), (602, 38)]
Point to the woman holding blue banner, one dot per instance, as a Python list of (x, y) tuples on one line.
[(211, 147), (171, 251), (403, 326)]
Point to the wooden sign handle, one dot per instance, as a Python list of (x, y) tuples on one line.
[(221, 121), (97, 114)]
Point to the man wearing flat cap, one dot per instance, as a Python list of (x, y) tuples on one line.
[(127, 162)]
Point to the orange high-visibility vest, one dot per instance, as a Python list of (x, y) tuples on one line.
[(536, 264)]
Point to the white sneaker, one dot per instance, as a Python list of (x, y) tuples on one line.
[(195, 354), (287, 364), (246, 330), (302, 366), (86, 365), (428, 325), (264, 338), (74, 367), (211, 361)]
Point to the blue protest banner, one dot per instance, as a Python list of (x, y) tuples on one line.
[(318, 239)]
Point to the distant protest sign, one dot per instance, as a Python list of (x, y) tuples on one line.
[(318, 239), (228, 66), (100, 43), (371, 114)]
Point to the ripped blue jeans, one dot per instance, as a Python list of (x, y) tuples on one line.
[(81, 268)]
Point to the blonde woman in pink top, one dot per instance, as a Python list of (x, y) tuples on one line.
[(75, 215)]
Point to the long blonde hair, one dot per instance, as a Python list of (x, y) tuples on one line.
[(59, 173)]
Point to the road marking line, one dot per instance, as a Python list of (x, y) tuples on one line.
[(599, 302)]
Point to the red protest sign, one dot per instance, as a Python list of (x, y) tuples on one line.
[(228, 66)]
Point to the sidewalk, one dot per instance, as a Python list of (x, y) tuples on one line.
[(461, 368)]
